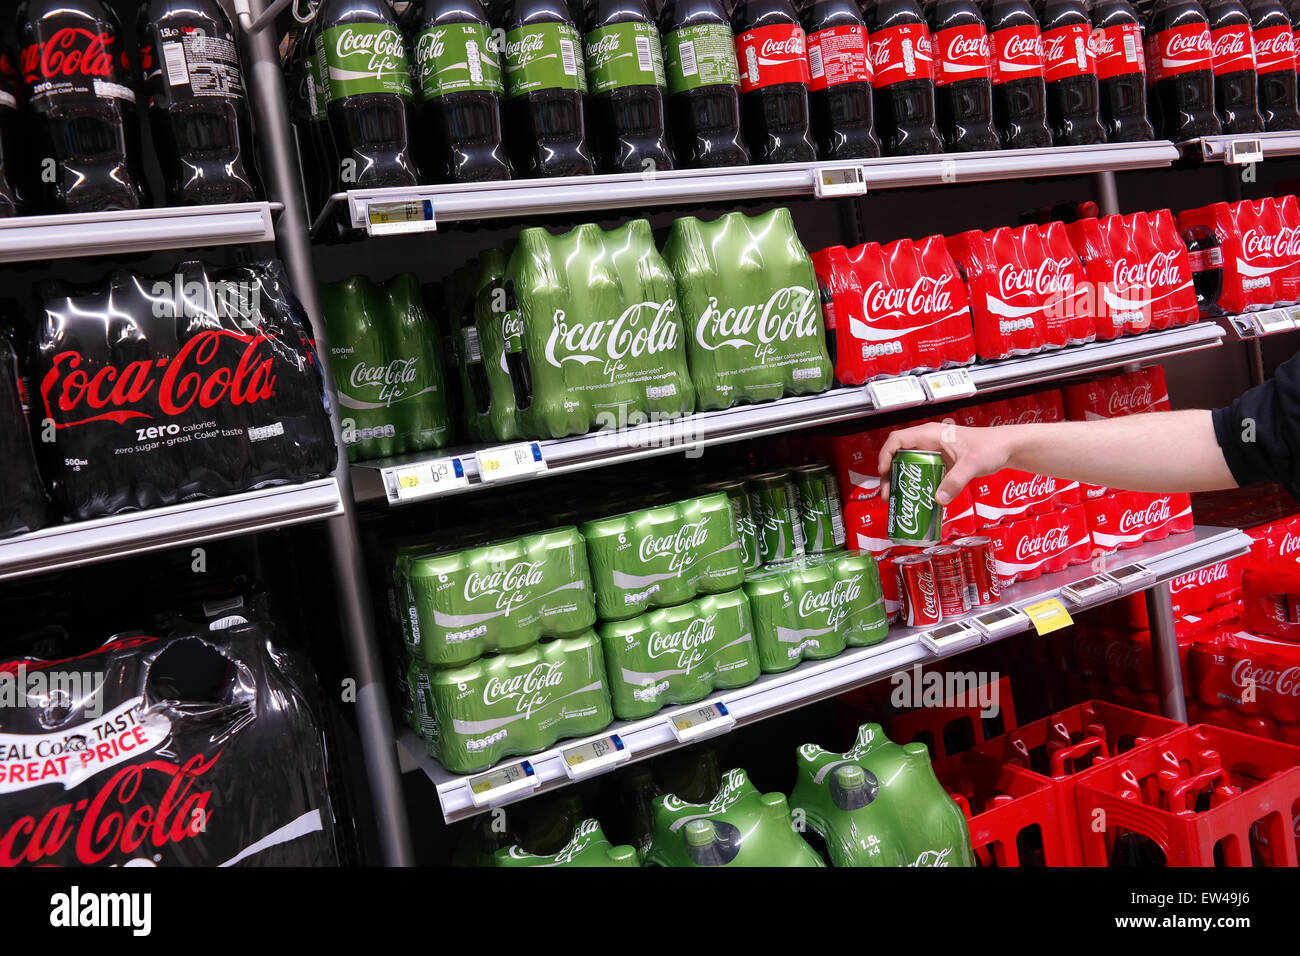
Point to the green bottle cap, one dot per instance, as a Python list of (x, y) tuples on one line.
[(850, 777), (700, 833)]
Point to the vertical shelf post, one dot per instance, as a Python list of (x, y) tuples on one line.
[(1164, 648)]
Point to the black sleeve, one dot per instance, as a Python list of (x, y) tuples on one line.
[(1260, 431)]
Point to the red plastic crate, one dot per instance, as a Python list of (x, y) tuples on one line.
[(1003, 806), (1249, 789), (938, 726)]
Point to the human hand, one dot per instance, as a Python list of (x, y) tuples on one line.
[(967, 452)]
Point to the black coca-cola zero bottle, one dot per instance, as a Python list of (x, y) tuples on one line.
[(77, 84), (1073, 107), (457, 70), (546, 83), (1019, 84), (840, 92), (774, 78), (1121, 71), (1180, 77), (902, 74), (1206, 257), (703, 84), (963, 75), (625, 77), (1232, 59), (1275, 63), (367, 86), (198, 105)]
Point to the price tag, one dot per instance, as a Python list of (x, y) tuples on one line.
[(494, 786), (836, 181), (1294, 312), (594, 756), (1275, 320), (395, 218), (951, 637), (1132, 577), (510, 461), (696, 723), (941, 386), (1243, 151), (1004, 620), (896, 392), (1246, 324), (425, 479), (1095, 588), (1048, 615)]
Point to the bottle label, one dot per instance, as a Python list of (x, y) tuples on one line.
[(1232, 49), (1068, 52), (703, 55), (75, 61), (184, 62), (901, 53), (364, 58), (770, 56), (1119, 51), (544, 56), (1274, 49), (1203, 259), (838, 55), (1178, 50), (962, 53), (1017, 53), (455, 58), (623, 54)]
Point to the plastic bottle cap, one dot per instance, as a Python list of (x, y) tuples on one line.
[(850, 777), (699, 833)]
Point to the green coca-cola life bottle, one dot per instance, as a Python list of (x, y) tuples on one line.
[(388, 367), (588, 847), (880, 804), (491, 392), (749, 300), (598, 319)]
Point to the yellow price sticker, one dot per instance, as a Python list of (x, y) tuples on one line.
[(574, 758), (1048, 615), (482, 786), (410, 481), (491, 464)]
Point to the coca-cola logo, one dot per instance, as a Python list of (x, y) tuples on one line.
[(687, 645), (1023, 47), (526, 691), (968, 47), (680, 546), (1035, 488), (929, 595), (834, 603), (1127, 401), (507, 583), (926, 296), (1153, 515), (1123, 656), (112, 821), (1284, 243), (792, 46), (1049, 542), (1201, 577), (73, 396), (631, 335), (376, 45), (387, 381), (71, 51), (912, 497), (1050, 277), (1229, 44), (1162, 270), (1283, 682), (789, 313), (1193, 43), (1279, 46)]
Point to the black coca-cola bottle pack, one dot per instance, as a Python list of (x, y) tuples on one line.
[(839, 62), (1180, 74), (1070, 68), (963, 75), (1019, 74), (902, 64), (1121, 71), (771, 52)]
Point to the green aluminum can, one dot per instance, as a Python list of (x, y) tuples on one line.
[(495, 598), (679, 655), (746, 530), (813, 608), (516, 704), (662, 556), (915, 518), (819, 507), (776, 517)]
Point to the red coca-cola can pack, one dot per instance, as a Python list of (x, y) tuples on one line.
[(918, 592), (982, 585)]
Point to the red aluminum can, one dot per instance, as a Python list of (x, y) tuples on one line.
[(917, 594), (977, 564), (949, 579)]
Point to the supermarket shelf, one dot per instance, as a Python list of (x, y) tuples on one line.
[(1241, 149), (33, 238), (815, 680), (1254, 325), (383, 480), (103, 539), (422, 208)]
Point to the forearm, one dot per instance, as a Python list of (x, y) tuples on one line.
[(1156, 452)]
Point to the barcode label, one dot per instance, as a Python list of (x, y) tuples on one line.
[(815, 61), (178, 74), (473, 61), (800, 374), (1130, 48), (909, 58), (837, 527), (660, 391), (687, 50), (567, 58), (473, 348), (643, 55), (796, 526)]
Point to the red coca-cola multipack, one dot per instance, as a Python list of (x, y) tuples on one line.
[(1026, 289), (1125, 519), (1139, 274), (1111, 396), (896, 308), (1261, 250), (1036, 544)]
